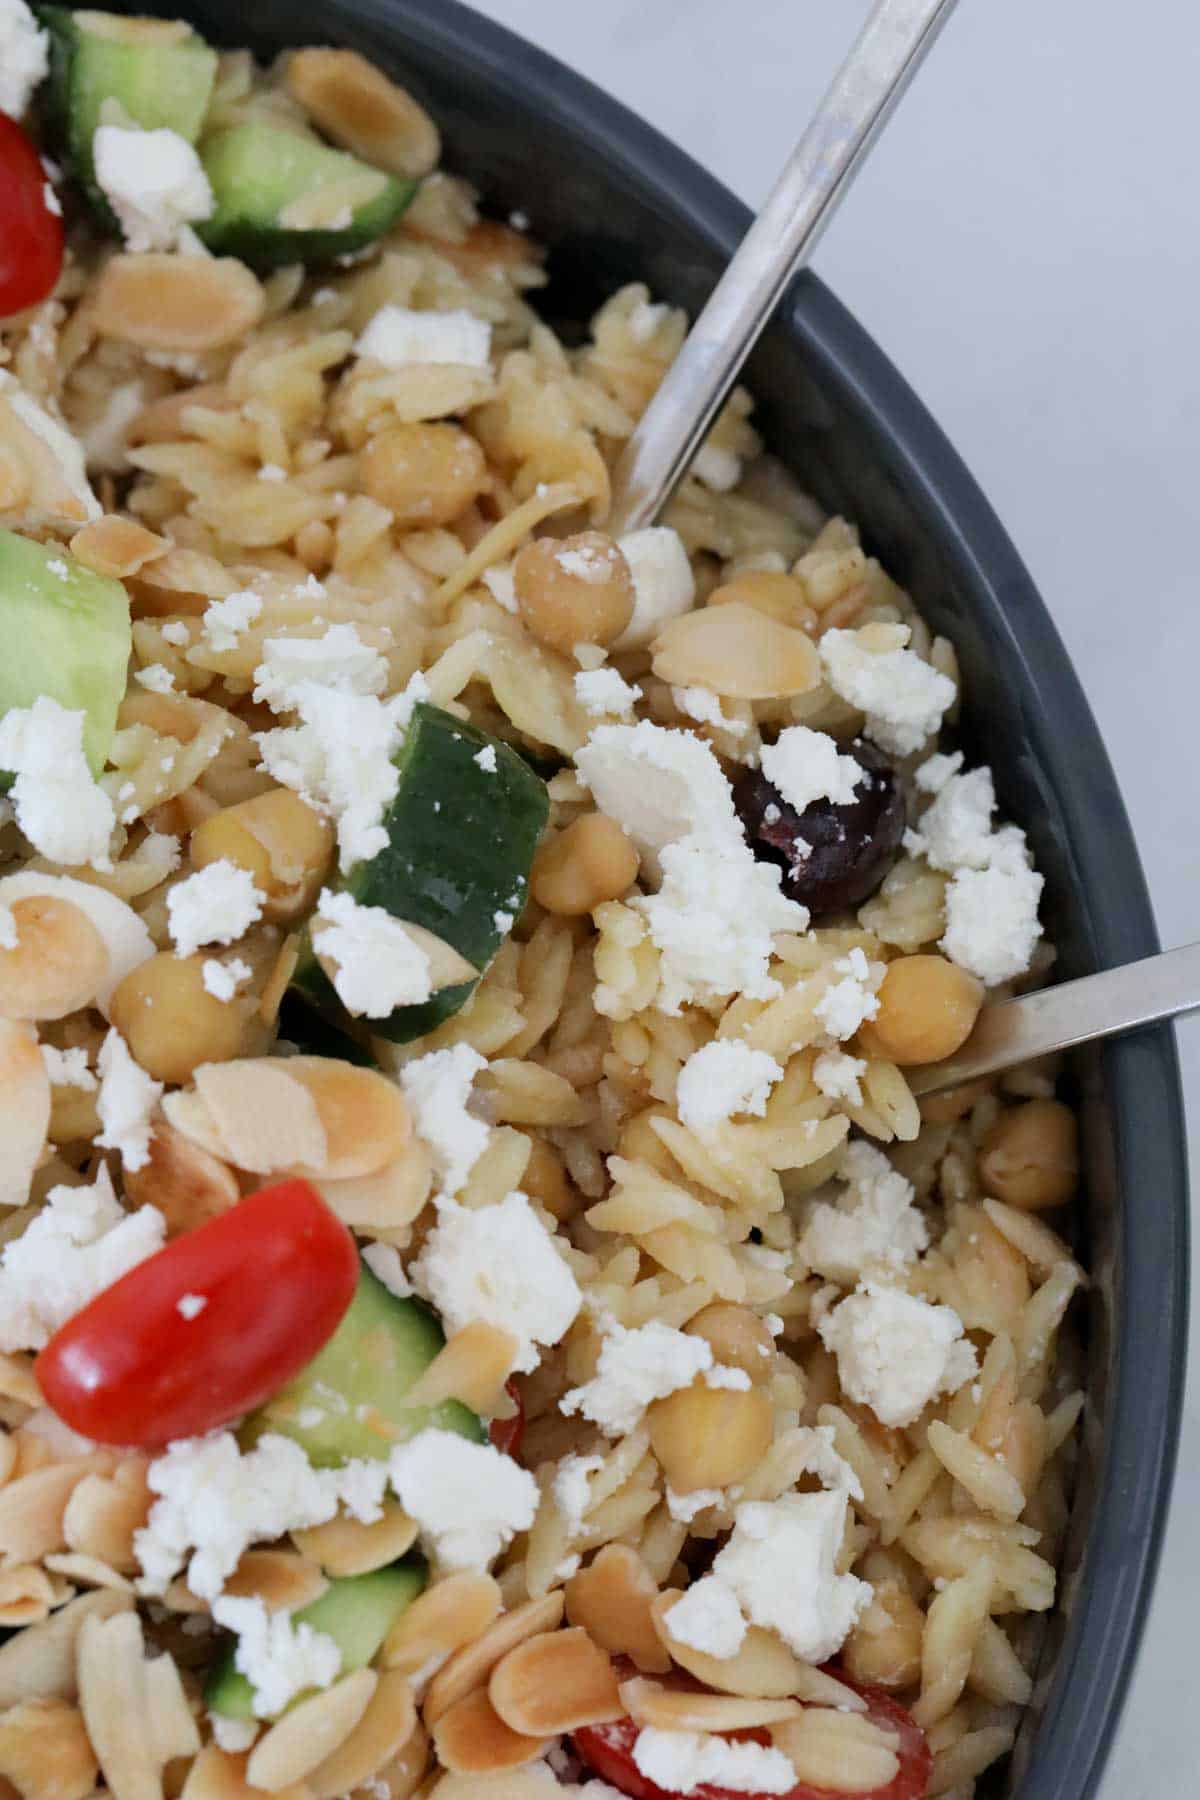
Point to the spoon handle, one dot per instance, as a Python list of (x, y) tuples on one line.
[(1056, 1018), (886, 56)]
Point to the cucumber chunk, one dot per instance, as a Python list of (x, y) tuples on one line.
[(461, 839), (283, 198), (350, 1399), (357, 1612), (66, 634), (157, 72)]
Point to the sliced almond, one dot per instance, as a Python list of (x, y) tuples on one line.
[(58, 964), (613, 1600), (53, 486), (310, 1733), (364, 1115), (41, 1659), (171, 302), (471, 1367), (555, 1682), (136, 1715), (125, 936), (252, 1114), (116, 546), (44, 1751), (451, 1613), (283, 1581), (24, 1114), (472, 1665), (842, 1752), (356, 105), (386, 1200), (763, 1669), (346, 1546), (736, 650), (26, 1595), (104, 1512), (188, 1184), (386, 1726), (649, 1703), (471, 1739)]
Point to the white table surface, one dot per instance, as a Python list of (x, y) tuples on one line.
[(1023, 244)]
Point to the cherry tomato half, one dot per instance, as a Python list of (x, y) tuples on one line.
[(144, 1362), (608, 1752), (31, 231), (506, 1434)]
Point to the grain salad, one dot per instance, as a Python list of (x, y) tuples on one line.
[(482, 1312)]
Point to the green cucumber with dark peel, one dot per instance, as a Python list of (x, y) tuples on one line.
[(350, 1400), (357, 1612), (156, 75), (66, 636), (461, 838), (260, 173)]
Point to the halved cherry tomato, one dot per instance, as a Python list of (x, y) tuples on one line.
[(506, 1434), (608, 1752), (145, 1362), (31, 231)]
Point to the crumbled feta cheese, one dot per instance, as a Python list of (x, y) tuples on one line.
[(902, 696), (279, 1657), (955, 832), (572, 1489), (155, 676), (155, 183), (469, 1500), (718, 469), (8, 928), (78, 1244), (397, 336), (68, 1068), (896, 1353), (66, 817), (498, 1264), (214, 1502), (176, 632), (222, 980), (708, 1618), (125, 936), (806, 766), (337, 659), (679, 1762), (873, 1229), (605, 692), (190, 1306), (383, 1260), (486, 759), (503, 921), (723, 1078), (500, 585), (781, 1565), (660, 785), (848, 1003), (437, 1087), (225, 620), (24, 57), (713, 921), (272, 472), (645, 319), (936, 771), (340, 759), (125, 1103), (702, 704), (824, 1461), (235, 1735), (992, 926), (683, 1508), (634, 1369), (376, 964), (663, 584), (69, 479), (839, 1076), (722, 1376), (216, 905)]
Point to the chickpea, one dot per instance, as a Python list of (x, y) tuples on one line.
[(171, 1022), (575, 591), (1030, 1157), (588, 863), (927, 1010), (58, 963), (953, 1104), (884, 1647), (281, 842), (781, 597), (739, 1338), (425, 475), (710, 1437)]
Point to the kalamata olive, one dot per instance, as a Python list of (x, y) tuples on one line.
[(832, 857)]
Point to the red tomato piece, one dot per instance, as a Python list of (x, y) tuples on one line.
[(31, 231), (144, 1362), (608, 1752), (506, 1434)]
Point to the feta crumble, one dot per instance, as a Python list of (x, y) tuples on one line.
[(781, 1565), (377, 965), (469, 1500), (719, 470), (708, 1618), (8, 928), (24, 57), (658, 784), (572, 1489), (498, 1264), (807, 766), (605, 693), (155, 183), (848, 1003), (74, 500), (383, 1260), (68, 1068), (397, 336), (634, 1368), (896, 1353), (226, 620), (903, 697), (216, 905), (223, 979), (874, 1228), (125, 1103), (679, 1762), (663, 584), (702, 704), (839, 1076), (500, 584), (486, 759), (337, 659), (723, 1078), (437, 1087), (190, 1306), (64, 814), (156, 677), (280, 1657), (176, 632)]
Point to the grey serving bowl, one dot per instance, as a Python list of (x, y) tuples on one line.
[(616, 202)]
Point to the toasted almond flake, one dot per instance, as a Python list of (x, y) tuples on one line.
[(842, 1752), (346, 1546), (736, 650), (648, 1703), (554, 1683), (310, 1733), (364, 1116), (470, 1666), (171, 302), (104, 1511), (612, 1599), (26, 1595), (33, 1507), (471, 1739), (386, 1726), (356, 105), (41, 1659), (451, 1613), (58, 964), (187, 1183), (136, 1714), (471, 1367), (24, 1111), (44, 1751), (86, 1571), (386, 1200), (116, 546), (53, 487), (283, 1581), (258, 1117)]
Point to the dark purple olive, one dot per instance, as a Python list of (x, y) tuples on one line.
[(832, 857)]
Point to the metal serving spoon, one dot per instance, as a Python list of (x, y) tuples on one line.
[(882, 62)]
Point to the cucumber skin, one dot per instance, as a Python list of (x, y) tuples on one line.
[(489, 838), (72, 122), (350, 1365), (260, 243), (384, 1593)]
